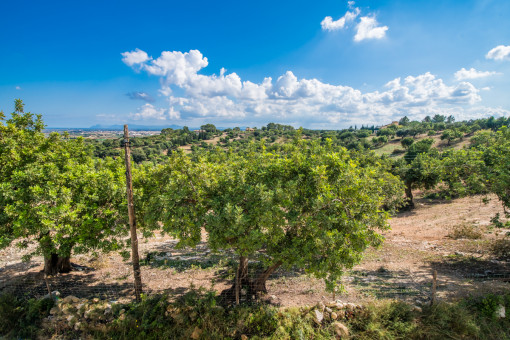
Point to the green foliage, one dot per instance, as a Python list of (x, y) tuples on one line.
[(451, 134), (407, 142), (385, 321), (53, 193), (21, 319), (306, 206)]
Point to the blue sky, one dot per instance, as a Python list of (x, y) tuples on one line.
[(160, 63)]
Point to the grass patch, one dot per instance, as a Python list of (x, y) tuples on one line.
[(465, 231), (501, 248)]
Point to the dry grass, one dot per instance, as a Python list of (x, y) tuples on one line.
[(501, 247), (465, 231)]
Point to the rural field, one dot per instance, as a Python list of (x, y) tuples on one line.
[(454, 237), (255, 170)]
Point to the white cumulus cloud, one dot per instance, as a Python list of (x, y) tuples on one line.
[(328, 24), (134, 57), (368, 28), (472, 73), (500, 52), (194, 98), (148, 111)]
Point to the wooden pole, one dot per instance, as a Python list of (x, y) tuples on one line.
[(434, 287), (135, 259)]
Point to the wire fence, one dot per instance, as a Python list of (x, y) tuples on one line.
[(169, 270)]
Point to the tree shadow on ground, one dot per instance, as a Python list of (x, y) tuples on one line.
[(384, 283), (460, 276), (80, 284)]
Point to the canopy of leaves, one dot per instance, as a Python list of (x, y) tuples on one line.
[(54, 193), (305, 206)]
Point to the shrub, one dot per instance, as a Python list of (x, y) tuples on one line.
[(465, 231), (22, 319)]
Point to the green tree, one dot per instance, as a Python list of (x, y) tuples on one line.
[(209, 128), (450, 135), (407, 142), (419, 168), (54, 194), (496, 156), (305, 206), (403, 121)]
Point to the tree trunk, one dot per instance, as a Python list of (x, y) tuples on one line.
[(409, 196), (233, 294), (259, 284), (253, 287), (56, 264)]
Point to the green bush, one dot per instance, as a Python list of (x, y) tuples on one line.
[(22, 319)]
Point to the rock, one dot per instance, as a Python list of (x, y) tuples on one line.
[(196, 333), (71, 319), (417, 309), (340, 314), (334, 316), (329, 310), (321, 307), (340, 329), (95, 300), (318, 316), (500, 311), (70, 299), (331, 304), (340, 305), (351, 306), (54, 295), (244, 337)]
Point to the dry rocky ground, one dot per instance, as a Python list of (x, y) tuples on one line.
[(431, 237)]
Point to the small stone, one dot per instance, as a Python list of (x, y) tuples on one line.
[(318, 316), (340, 305), (331, 304), (329, 310), (417, 309), (340, 329), (244, 337), (196, 333), (70, 299), (71, 319), (500, 311), (350, 306), (334, 316)]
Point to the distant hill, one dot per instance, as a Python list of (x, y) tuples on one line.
[(133, 127)]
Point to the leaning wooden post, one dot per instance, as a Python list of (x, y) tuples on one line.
[(132, 221)]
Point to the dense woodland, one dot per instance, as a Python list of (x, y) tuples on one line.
[(293, 198)]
